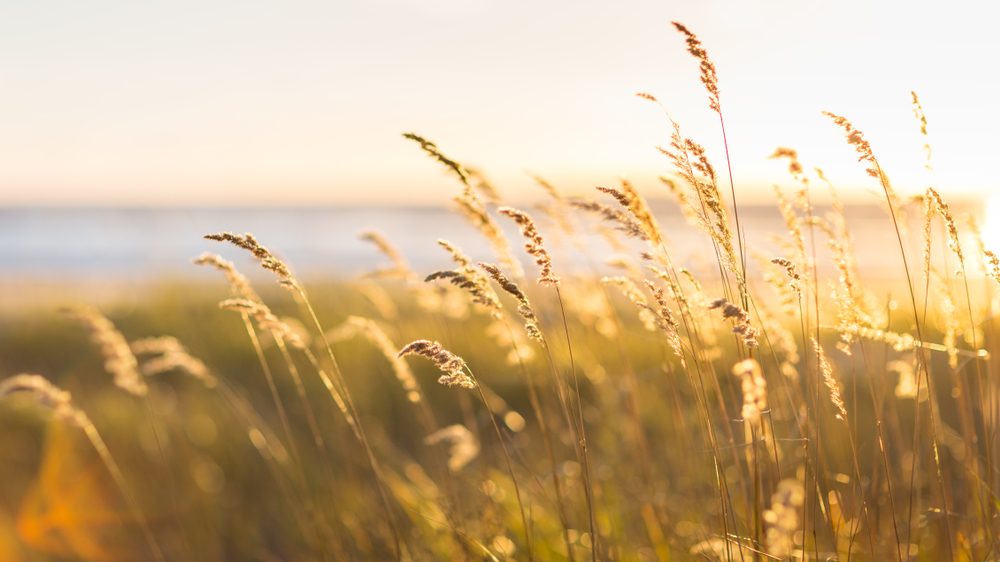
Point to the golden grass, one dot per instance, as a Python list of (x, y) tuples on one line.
[(795, 410)]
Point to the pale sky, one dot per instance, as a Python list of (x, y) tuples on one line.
[(260, 102)]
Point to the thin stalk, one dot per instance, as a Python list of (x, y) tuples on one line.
[(116, 474), (536, 408), (736, 213), (926, 371), (582, 431), (510, 466), (353, 418)]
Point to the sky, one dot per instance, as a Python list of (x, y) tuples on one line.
[(302, 103)]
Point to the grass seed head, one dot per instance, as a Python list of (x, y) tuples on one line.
[(455, 372), (534, 244), (119, 360)]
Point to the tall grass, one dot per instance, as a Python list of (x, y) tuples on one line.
[(787, 410)]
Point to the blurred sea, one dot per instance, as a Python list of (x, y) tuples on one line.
[(53, 244)]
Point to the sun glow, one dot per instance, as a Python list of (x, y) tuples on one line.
[(305, 106), (990, 225)]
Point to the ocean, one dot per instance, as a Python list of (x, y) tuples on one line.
[(52, 244)]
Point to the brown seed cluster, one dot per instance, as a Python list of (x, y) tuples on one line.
[(949, 221), (790, 271), (637, 209), (705, 205), (994, 265), (857, 139), (708, 74), (470, 205), (434, 152), (452, 366), (740, 318), (534, 244), (523, 306), (918, 112), (665, 319), (481, 294), (790, 154), (469, 278), (621, 220), (264, 256)]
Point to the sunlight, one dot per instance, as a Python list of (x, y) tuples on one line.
[(991, 222)]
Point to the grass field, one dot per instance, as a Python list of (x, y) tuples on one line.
[(762, 407)]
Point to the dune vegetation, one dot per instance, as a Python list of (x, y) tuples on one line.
[(772, 405)]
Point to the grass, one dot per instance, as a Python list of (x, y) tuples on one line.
[(765, 407)]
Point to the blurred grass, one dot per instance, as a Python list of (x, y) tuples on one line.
[(211, 492)]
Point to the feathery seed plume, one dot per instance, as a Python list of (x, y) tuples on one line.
[(828, 379), (534, 244), (665, 319), (856, 139), (399, 268), (949, 221), (264, 256), (118, 358), (623, 221), (170, 355), (523, 306), (238, 283), (469, 278), (462, 445), (790, 270), (740, 318), (637, 207), (994, 264), (452, 366), (708, 74), (434, 152), (471, 206), (47, 394), (266, 320), (918, 112)]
